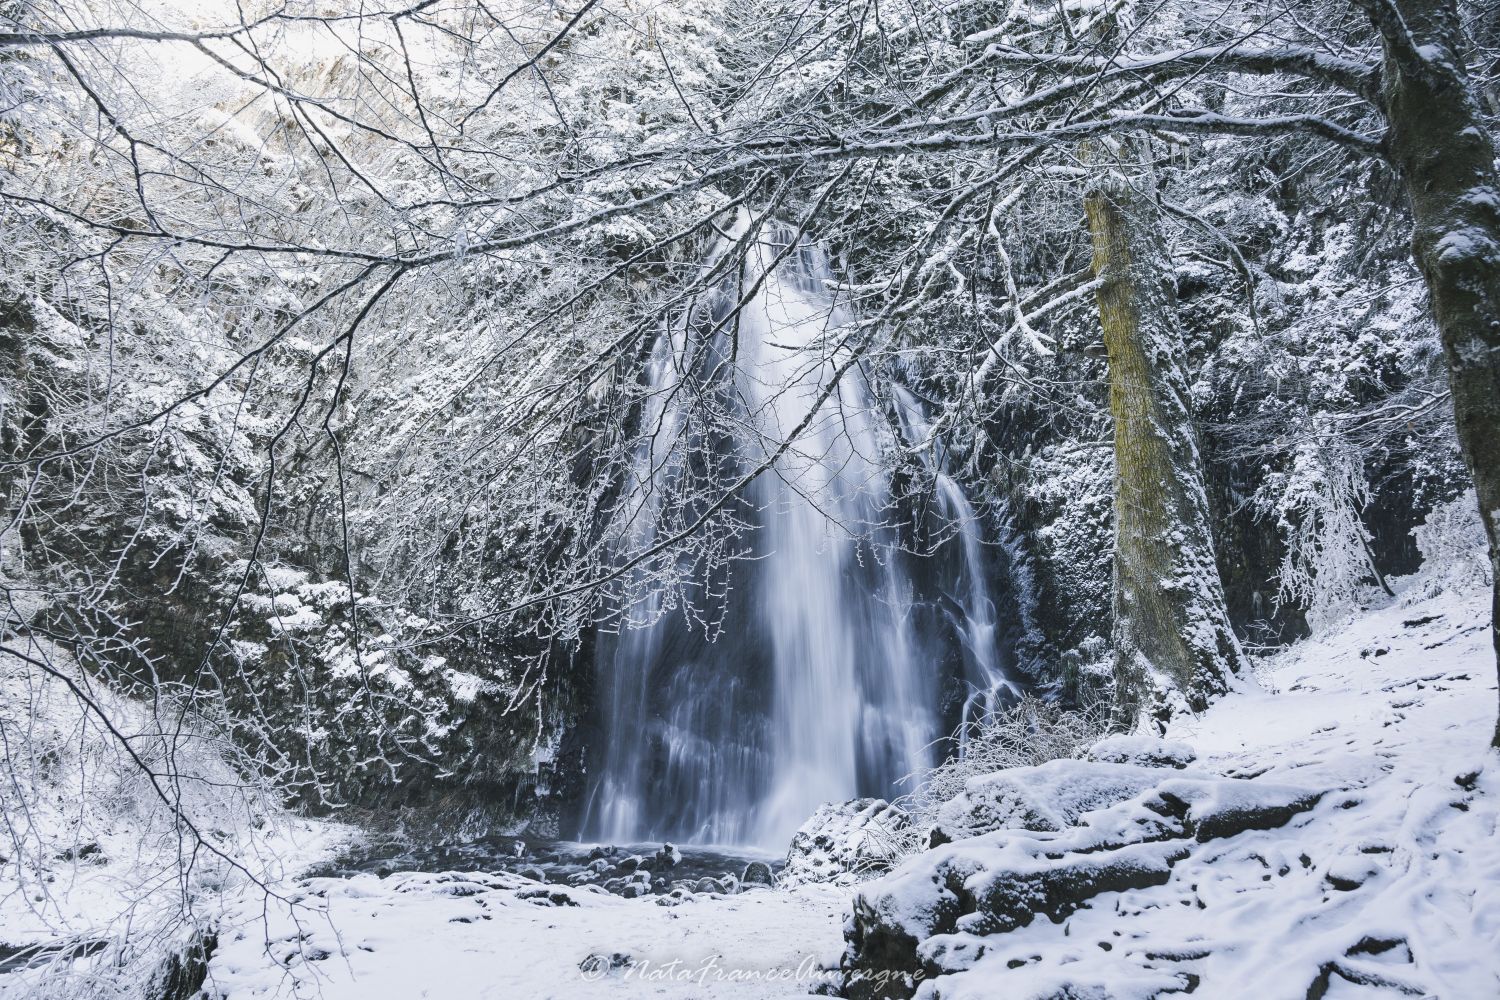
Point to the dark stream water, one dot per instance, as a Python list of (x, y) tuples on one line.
[(557, 861)]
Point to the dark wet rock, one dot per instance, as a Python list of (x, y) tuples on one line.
[(460, 886), (547, 897), (182, 975), (758, 873), (844, 839), (82, 852), (1349, 873), (726, 885), (666, 859), (597, 963)]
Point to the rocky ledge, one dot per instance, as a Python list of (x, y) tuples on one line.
[(1042, 842)]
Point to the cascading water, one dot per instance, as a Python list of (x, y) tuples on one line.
[(821, 689), (990, 686)]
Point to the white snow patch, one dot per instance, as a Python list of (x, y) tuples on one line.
[(469, 936)]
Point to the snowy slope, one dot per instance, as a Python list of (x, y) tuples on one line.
[(1390, 886), (100, 860)]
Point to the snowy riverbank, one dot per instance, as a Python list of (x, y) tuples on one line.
[(1391, 881), (1393, 878), (1389, 886)]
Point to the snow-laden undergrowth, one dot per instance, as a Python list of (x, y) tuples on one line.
[(125, 831)]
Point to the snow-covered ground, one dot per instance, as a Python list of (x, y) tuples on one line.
[(1390, 886), (455, 936), (1390, 711)]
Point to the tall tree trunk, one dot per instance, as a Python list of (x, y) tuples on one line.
[(1171, 628), (1447, 164)]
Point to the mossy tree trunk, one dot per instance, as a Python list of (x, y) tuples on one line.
[(1172, 637), (1446, 158)]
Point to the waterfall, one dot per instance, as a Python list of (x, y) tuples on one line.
[(821, 687), (989, 685)]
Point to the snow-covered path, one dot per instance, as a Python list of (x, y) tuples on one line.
[(457, 937)]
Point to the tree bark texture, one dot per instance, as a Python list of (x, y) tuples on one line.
[(1171, 628), (1446, 158)]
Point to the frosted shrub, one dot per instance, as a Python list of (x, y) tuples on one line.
[(1028, 733), (1317, 502), (125, 824), (1454, 551)]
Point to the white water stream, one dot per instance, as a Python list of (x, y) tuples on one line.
[(820, 689)]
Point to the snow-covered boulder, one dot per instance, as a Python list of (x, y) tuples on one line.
[(758, 873), (843, 839), (985, 885), (1068, 831), (1216, 808), (1142, 751), (1045, 798)]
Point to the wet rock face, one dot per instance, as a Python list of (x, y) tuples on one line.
[(1050, 839), (667, 874), (843, 840)]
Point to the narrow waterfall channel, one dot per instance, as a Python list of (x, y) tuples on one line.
[(827, 681), (988, 684)]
